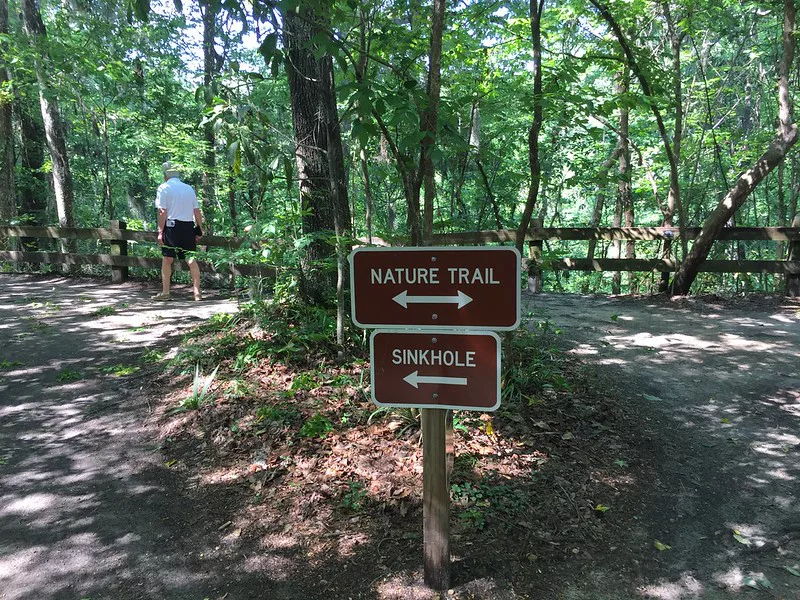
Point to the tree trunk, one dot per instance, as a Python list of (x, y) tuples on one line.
[(674, 195), (429, 119), (138, 190), (536, 9), (8, 208), (32, 183), (210, 68), (674, 183), (368, 201), (53, 126), (784, 140), (320, 166)]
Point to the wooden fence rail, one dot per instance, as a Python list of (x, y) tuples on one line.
[(118, 236)]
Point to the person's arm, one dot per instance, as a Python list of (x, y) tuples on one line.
[(162, 221), (198, 220)]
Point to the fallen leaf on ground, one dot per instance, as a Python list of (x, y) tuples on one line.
[(661, 546)]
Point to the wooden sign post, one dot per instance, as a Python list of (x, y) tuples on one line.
[(435, 500), (438, 309)]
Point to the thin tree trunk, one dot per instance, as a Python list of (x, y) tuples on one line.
[(368, 201), (210, 68), (489, 194), (429, 119), (625, 174), (32, 184), (107, 167), (536, 9), (53, 126), (600, 198), (785, 138), (8, 208), (674, 193)]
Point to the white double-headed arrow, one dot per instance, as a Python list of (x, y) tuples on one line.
[(415, 379), (403, 299)]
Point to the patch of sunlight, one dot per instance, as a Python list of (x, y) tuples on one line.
[(583, 350), (29, 505), (348, 545), (278, 541), (276, 568), (737, 342), (403, 588), (612, 361), (735, 580), (687, 587)]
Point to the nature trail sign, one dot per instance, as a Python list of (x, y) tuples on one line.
[(467, 288)]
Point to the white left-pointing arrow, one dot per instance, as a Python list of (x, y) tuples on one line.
[(403, 299), (415, 379)]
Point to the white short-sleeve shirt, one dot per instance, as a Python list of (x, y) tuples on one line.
[(178, 199)]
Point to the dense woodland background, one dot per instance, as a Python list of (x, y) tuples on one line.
[(307, 123)]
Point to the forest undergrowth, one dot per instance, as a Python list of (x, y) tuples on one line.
[(257, 404)]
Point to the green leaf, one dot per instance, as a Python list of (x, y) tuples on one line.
[(737, 535), (792, 570), (661, 546), (652, 398)]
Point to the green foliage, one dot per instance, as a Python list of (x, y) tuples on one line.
[(9, 364), (66, 375), (201, 391), (355, 497), (120, 370), (318, 426), (152, 356), (481, 503), (283, 414), (535, 365)]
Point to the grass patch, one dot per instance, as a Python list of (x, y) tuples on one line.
[(120, 370), (68, 375)]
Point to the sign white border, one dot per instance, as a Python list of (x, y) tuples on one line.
[(440, 331), (394, 326)]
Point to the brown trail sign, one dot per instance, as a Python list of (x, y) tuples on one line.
[(469, 288), (436, 369), (427, 298)]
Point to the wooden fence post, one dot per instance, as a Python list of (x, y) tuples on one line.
[(793, 280), (534, 265), (119, 248)]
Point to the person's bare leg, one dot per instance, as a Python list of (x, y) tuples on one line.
[(194, 271), (166, 274)]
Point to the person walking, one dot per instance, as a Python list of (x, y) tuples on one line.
[(179, 227)]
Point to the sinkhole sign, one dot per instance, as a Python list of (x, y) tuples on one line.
[(436, 369)]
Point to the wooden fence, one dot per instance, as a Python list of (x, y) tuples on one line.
[(118, 259), (118, 236)]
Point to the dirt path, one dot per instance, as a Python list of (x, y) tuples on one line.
[(715, 394), (87, 507)]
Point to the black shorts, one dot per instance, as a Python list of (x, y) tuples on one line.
[(179, 239)]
